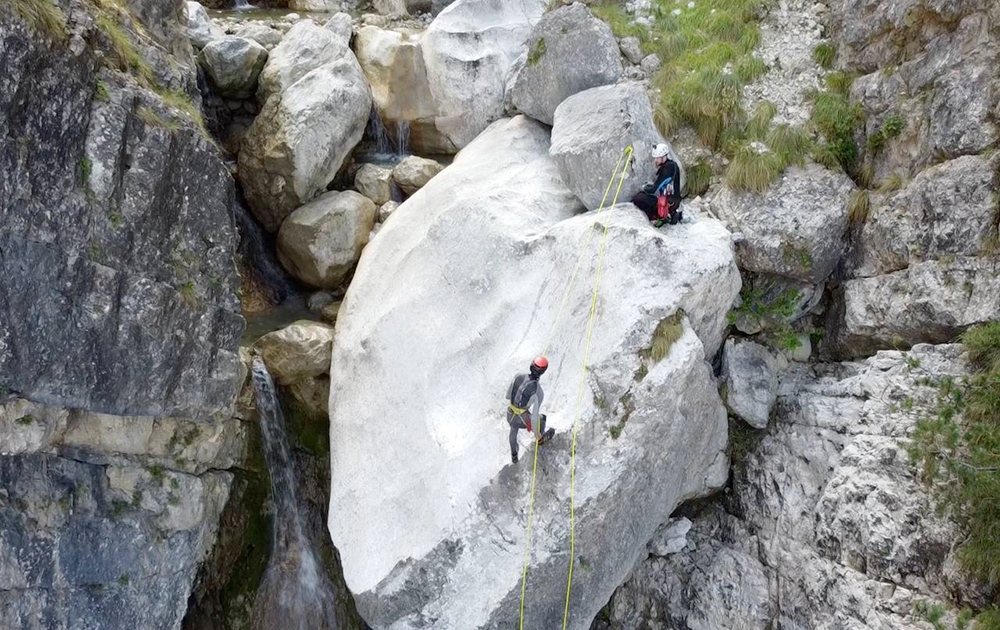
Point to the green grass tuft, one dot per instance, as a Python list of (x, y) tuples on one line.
[(892, 183), (825, 54), (101, 92), (753, 171), (697, 178), (128, 56), (791, 144), (756, 128), (892, 126), (858, 207), (839, 83), (667, 332), (86, 167), (749, 68), (834, 118), (43, 16)]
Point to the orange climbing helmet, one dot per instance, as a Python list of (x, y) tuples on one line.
[(539, 365)]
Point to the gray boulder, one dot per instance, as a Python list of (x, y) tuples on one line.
[(928, 302), (569, 51), (386, 210), (589, 132), (304, 48), (201, 28), (302, 136), (375, 182), (233, 63), (260, 32), (795, 229), (318, 6), (297, 352), (655, 426), (632, 50), (947, 210), (413, 172), (750, 378), (320, 242)]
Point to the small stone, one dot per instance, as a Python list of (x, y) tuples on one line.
[(650, 64), (386, 210), (318, 300), (631, 48), (374, 182), (293, 17), (413, 173), (330, 312), (296, 352), (751, 381)]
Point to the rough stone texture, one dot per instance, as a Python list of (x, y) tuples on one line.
[(375, 182), (103, 521), (386, 210), (233, 63), (475, 268), (394, 64), (774, 302), (631, 49), (304, 48), (393, 8), (827, 525), (303, 134), (795, 229), (321, 6), (341, 26), (947, 210), (260, 32), (297, 352), (116, 243), (569, 51), (589, 133), (946, 96), (750, 378), (320, 242), (201, 28), (467, 51), (929, 302), (413, 172)]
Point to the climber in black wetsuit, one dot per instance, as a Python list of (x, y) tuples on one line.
[(524, 402), (668, 183)]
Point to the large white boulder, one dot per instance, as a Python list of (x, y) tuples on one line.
[(302, 136), (467, 51), (481, 257), (320, 242), (569, 51), (796, 229), (297, 352), (589, 133), (233, 63)]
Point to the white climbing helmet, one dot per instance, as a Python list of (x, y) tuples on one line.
[(661, 150)]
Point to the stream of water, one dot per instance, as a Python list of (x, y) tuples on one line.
[(295, 593)]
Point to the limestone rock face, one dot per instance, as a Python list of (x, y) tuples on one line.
[(795, 229), (297, 352), (233, 63), (828, 525), (750, 375), (303, 134), (304, 48), (569, 51), (413, 172), (320, 242), (263, 34), (930, 302), (947, 210), (467, 52), (652, 426), (591, 130), (116, 245)]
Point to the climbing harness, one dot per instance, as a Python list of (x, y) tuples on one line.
[(624, 161)]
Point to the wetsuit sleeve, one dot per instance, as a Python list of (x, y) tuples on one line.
[(510, 389)]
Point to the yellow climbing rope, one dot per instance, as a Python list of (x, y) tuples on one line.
[(622, 165)]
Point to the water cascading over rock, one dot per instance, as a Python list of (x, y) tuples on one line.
[(295, 593), (480, 257)]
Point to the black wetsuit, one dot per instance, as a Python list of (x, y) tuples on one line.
[(524, 397), (668, 182)]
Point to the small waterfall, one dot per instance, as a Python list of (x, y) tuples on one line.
[(257, 251), (295, 593), (402, 138), (378, 134), (243, 5)]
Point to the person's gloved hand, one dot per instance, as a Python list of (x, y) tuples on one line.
[(648, 188)]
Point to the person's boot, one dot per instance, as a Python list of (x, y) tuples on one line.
[(513, 458), (547, 436)]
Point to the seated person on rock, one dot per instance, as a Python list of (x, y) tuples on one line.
[(661, 199), (524, 397)]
